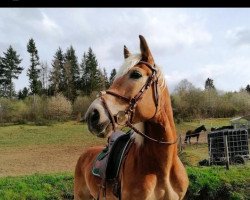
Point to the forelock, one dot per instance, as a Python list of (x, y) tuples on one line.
[(129, 62), (133, 60)]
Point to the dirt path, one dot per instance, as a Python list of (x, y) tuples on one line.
[(43, 159), (39, 159)]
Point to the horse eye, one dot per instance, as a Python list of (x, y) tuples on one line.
[(135, 75)]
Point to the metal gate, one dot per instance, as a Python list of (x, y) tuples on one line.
[(229, 144)]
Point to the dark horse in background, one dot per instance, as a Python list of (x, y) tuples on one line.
[(194, 133)]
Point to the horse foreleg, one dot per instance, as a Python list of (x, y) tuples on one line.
[(197, 138), (81, 191)]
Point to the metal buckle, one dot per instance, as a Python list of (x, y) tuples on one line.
[(121, 118)]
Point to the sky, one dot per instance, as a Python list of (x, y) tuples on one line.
[(188, 43)]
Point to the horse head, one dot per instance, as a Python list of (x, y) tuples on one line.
[(132, 97), (204, 128)]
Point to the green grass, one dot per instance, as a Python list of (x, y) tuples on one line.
[(59, 133), (206, 183), (219, 183), (37, 187), (13, 136)]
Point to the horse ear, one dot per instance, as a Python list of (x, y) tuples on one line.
[(145, 51), (126, 52)]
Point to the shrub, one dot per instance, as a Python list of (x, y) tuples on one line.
[(82, 103), (80, 106), (12, 110), (37, 107), (59, 108)]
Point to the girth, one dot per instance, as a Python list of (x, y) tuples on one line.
[(109, 162)]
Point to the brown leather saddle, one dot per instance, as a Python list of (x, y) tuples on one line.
[(108, 163)]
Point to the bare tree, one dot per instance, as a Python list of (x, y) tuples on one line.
[(44, 75)]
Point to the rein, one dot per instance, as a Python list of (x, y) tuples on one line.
[(129, 112)]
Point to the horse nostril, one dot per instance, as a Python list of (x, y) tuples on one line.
[(94, 117)]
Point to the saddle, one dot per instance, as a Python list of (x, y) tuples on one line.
[(108, 163)]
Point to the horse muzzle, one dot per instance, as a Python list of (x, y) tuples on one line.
[(97, 119)]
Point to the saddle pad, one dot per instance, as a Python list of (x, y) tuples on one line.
[(108, 162)]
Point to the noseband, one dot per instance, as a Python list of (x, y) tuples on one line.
[(129, 112)]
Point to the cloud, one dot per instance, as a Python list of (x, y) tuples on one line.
[(229, 75), (169, 33), (239, 36)]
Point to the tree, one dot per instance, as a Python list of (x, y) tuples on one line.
[(209, 84), (9, 70), (184, 86), (22, 94), (112, 76), (92, 74), (71, 72), (57, 76), (248, 88), (44, 77), (105, 79), (33, 71), (83, 74)]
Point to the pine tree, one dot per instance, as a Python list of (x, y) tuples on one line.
[(2, 78), (91, 72), (71, 72), (248, 88), (106, 80), (56, 76), (112, 76), (22, 94), (83, 75), (209, 84), (33, 71), (100, 80), (9, 70), (2, 70), (93, 78)]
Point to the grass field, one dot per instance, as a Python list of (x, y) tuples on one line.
[(28, 149), (37, 162), (206, 183)]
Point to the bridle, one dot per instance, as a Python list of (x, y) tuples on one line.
[(129, 112)]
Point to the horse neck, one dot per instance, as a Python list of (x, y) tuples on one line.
[(199, 129), (161, 127)]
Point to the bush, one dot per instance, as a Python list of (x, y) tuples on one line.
[(37, 107), (80, 106), (189, 102), (12, 111), (59, 108), (82, 103)]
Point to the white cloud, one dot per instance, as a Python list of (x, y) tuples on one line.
[(239, 36), (187, 42), (230, 75), (50, 27)]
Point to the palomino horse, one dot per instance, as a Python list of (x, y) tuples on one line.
[(139, 99), (194, 133)]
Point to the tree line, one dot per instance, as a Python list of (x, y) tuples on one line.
[(65, 76), (71, 86), (189, 102)]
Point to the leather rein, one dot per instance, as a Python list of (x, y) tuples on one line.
[(129, 112)]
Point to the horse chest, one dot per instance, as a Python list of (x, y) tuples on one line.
[(148, 188)]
